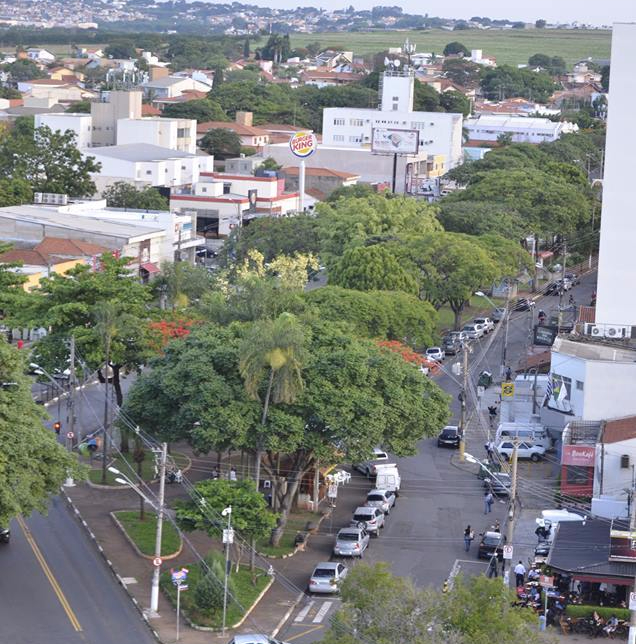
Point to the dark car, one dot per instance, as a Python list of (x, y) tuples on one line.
[(574, 278), (491, 543), (449, 437), (523, 304), (552, 289), (500, 484), (5, 535), (451, 346)]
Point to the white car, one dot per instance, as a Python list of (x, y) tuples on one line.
[(524, 450), (368, 467), (473, 331), (382, 499), (435, 353), (327, 577), (487, 323)]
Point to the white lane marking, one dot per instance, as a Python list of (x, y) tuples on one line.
[(454, 571), (320, 615), (303, 612)]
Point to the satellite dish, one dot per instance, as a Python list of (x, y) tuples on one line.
[(396, 62), (386, 61)]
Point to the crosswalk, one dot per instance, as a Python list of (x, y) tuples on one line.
[(316, 610)]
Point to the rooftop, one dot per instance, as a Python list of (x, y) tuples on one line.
[(138, 152), (53, 250), (320, 172), (241, 130), (167, 81), (588, 348), (619, 429)]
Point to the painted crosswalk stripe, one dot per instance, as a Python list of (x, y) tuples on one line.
[(303, 613), (320, 615)]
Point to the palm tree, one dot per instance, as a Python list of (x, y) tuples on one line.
[(106, 315)]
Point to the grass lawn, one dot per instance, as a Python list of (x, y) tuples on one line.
[(123, 463), (143, 532), (478, 306), (296, 523), (509, 46), (244, 591)]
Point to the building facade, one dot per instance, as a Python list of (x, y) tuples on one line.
[(522, 129)]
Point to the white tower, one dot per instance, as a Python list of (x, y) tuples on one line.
[(615, 303), (397, 90)]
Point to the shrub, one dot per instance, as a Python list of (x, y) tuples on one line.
[(577, 611), (208, 593)]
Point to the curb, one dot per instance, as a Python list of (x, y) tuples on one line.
[(109, 563), (174, 555), (299, 548), (287, 614)]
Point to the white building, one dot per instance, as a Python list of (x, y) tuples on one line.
[(522, 129), (80, 124), (172, 86), (40, 55), (143, 164), (175, 134)]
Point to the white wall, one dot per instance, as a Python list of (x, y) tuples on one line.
[(616, 267), (158, 131), (615, 478), (81, 124), (400, 87)]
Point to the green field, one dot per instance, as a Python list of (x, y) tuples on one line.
[(510, 46)]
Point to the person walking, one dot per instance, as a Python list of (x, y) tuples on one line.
[(508, 374), (469, 535), (520, 574), (233, 474), (488, 501), (492, 568)]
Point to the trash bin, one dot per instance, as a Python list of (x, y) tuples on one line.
[(485, 379)]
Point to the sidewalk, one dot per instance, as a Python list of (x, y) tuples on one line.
[(94, 505)]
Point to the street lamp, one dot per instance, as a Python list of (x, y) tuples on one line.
[(504, 350), (228, 538)]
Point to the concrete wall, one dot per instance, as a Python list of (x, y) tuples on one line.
[(618, 233), (615, 479), (159, 131), (120, 105), (80, 124)]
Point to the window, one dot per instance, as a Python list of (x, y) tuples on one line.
[(396, 98), (395, 107), (338, 121), (183, 167), (204, 189), (148, 171), (356, 122), (355, 139), (182, 132), (579, 385), (338, 137)]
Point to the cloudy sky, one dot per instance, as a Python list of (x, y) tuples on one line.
[(588, 11)]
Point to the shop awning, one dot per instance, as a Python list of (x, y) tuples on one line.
[(149, 267)]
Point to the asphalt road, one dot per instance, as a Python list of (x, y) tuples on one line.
[(423, 537), (57, 589)]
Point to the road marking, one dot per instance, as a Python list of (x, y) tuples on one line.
[(320, 615), (313, 629), (303, 613), (453, 573), (49, 575), (128, 580)]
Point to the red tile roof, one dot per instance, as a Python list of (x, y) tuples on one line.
[(149, 110), (241, 130), (69, 247), (618, 430)]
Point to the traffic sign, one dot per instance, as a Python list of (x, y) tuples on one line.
[(547, 582), (228, 535), (507, 552), (179, 576), (632, 601), (332, 491), (507, 389), (157, 561), (70, 435)]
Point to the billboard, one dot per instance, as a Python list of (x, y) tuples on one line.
[(622, 542), (303, 144), (391, 141)]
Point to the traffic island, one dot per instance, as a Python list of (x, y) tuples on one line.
[(141, 534), (300, 526), (125, 463)]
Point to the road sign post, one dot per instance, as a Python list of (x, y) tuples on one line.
[(179, 577), (507, 552)]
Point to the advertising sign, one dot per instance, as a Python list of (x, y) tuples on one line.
[(545, 335), (582, 455), (303, 144), (507, 389), (391, 141)]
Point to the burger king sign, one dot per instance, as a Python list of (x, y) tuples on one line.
[(303, 144)]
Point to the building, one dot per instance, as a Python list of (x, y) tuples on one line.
[(80, 124), (62, 91), (39, 55), (220, 202), (172, 86), (175, 134), (144, 164), (522, 129), (319, 182), (329, 77), (244, 164), (111, 107), (512, 107), (253, 137)]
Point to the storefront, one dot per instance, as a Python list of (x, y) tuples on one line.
[(577, 470)]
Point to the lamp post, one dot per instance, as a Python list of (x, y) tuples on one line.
[(228, 539)]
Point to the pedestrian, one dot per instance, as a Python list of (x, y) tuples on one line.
[(233, 474), (520, 574), (492, 414), (20, 344), (496, 527), (488, 449), (469, 535), (492, 568), (508, 374), (488, 501)]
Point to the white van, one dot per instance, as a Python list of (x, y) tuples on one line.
[(549, 519), (535, 434), (388, 478)]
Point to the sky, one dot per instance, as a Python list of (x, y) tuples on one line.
[(588, 11)]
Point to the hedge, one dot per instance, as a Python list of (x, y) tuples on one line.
[(583, 610)]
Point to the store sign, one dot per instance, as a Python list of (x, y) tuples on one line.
[(545, 335), (391, 141), (303, 144), (582, 455)]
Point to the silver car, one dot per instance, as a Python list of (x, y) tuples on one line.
[(327, 577), (351, 542), (383, 499), (371, 519)]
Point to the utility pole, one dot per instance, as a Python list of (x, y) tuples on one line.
[(462, 422), (228, 538), (154, 591), (512, 509), (504, 350), (562, 289), (105, 436), (71, 393)]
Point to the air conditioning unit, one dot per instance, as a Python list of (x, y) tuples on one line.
[(595, 330), (618, 331)]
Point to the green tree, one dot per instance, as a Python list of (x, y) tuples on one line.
[(371, 268), (482, 217), (426, 98), (462, 72), (209, 590), (605, 76), (124, 195), (121, 49), (221, 143), (33, 464), (24, 69), (182, 283), (540, 24), (453, 101), (505, 138), (505, 81), (246, 48), (9, 93), (14, 192), (356, 190), (80, 107), (270, 164), (203, 110), (456, 48)]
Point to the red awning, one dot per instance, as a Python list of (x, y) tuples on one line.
[(150, 267)]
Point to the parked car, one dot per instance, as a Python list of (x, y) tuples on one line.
[(351, 542), (459, 335), (574, 278), (564, 284), (523, 304), (5, 535), (487, 323), (371, 519), (368, 467), (253, 638), (435, 353), (497, 315), (327, 577), (500, 484), (382, 499), (451, 345), (490, 544), (524, 450), (449, 437), (473, 331), (551, 289)]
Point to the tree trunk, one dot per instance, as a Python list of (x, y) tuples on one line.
[(458, 317), (258, 456), (285, 508), (253, 558)]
